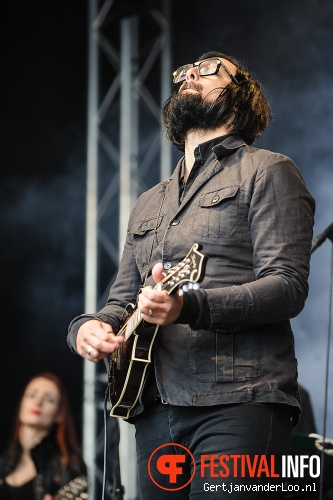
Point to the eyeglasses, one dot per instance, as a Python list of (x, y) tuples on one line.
[(205, 68)]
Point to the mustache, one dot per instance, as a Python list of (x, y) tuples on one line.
[(192, 86)]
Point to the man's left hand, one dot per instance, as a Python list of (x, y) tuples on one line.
[(157, 306)]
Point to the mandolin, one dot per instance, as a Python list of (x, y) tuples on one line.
[(128, 365)]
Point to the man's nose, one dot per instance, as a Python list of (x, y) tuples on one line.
[(192, 74)]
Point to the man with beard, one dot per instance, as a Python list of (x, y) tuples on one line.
[(223, 378)]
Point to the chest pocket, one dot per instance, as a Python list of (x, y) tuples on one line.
[(143, 238), (216, 213)]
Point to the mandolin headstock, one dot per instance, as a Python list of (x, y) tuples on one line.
[(189, 270)]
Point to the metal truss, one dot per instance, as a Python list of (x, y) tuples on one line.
[(129, 78)]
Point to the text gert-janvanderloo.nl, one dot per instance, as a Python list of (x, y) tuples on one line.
[(260, 466), (234, 473)]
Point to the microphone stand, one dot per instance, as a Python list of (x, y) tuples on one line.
[(328, 233)]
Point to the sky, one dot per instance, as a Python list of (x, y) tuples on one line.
[(287, 44)]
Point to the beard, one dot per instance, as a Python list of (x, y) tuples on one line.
[(189, 111)]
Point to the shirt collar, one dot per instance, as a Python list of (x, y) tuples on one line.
[(204, 150)]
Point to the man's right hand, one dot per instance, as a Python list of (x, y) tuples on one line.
[(95, 340)]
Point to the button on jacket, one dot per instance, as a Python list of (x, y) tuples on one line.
[(252, 214)]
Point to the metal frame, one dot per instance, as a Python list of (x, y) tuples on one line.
[(125, 72)]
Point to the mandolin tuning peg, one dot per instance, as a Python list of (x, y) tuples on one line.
[(190, 286), (185, 288), (196, 286), (180, 292)]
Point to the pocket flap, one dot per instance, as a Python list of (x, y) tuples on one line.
[(216, 197), (141, 227)]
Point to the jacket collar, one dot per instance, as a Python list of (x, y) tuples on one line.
[(227, 146)]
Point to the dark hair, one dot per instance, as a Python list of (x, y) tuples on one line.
[(246, 102), (63, 431)]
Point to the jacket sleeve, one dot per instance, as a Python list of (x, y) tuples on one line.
[(280, 221), (129, 279), (122, 293)]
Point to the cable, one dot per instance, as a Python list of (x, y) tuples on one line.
[(326, 380), (105, 440)]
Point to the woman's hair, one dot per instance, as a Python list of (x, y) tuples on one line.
[(63, 430), (245, 102)]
